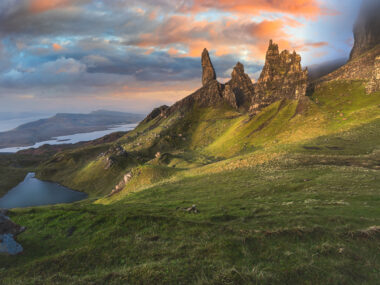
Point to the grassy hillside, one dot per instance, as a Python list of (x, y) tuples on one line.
[(290, 196), (281, 222), (206, 135)]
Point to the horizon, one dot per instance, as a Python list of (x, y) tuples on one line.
[(77, 56)]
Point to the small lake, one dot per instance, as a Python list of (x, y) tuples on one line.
[(71, 139), (34, 192)]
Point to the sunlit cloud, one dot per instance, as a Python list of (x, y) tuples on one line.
[(134, 51)]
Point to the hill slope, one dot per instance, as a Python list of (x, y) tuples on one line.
[(65, 124)]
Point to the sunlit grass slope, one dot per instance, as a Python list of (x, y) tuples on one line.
[(290, 196), (202, 136), (281, 222)]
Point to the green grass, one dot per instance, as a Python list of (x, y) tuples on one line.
[(290, 196), (284, 224)]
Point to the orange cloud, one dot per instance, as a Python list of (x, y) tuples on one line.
[(225, 36), (38, 6), (57, 47), (318, 44), (306, 8)]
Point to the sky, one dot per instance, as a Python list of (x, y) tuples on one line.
[(134, 55)]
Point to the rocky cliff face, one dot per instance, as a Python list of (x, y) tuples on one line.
[(367, 28), (212, 93), (364, 63), (374, 83), (239, 91), (282, 78)]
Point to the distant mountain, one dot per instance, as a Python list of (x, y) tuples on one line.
[(65, 124), (23, 115)]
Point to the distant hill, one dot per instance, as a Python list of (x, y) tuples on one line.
[(65, 124)]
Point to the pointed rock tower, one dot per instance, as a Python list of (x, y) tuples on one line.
[(208, 71), (282, 78)]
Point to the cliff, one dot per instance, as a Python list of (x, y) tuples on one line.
[(366, 29), (282, 78)]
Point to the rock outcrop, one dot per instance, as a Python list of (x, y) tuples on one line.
[(208, 71), (8, 231), (374, 84), (367, 28), (282, 78), (239, 91), (157, 112)]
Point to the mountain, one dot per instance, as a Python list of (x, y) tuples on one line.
[(65, 124), (221, 121), (239, 183)]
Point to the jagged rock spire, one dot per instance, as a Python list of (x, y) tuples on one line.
[(282, 78), (208, 71)]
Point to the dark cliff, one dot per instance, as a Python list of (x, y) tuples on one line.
[(367, 28)]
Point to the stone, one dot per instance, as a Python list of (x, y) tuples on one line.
[(281, 78), (208, 71), (127, 177), (230, 96), (374, 84), (192, 209), (9, 227), (366, 29), (242, 87)]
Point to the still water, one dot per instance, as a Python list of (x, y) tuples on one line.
[(71, 139), (34, 192)]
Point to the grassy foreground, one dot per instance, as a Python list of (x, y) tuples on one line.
[(271, 224)]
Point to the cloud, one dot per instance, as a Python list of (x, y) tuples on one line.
[(40, 6), (57, 47), (134, 49), (306, 8)]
